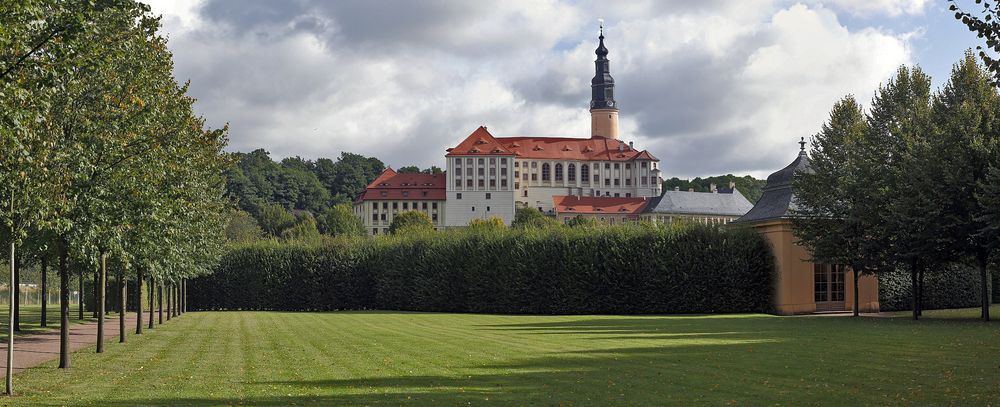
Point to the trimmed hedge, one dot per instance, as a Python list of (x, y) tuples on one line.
[(622, 270), (954, 286)]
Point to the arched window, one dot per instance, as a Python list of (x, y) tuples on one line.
[(571, 172), (559, 173), (545, 171), (585, 173)]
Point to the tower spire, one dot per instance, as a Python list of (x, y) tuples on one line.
[(603, 107)]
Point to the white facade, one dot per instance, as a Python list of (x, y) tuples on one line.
[(539, 180), (479, 187), (377, 215)]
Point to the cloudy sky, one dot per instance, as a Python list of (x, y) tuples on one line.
[(709, 86)]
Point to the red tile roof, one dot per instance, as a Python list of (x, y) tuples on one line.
[(598, 205), (481, 142), (391, 185)]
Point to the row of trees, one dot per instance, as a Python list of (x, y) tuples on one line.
[(104, 163), (751, 187), (913, 183)]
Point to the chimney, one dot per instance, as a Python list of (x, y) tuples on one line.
[(713, 188), (677, 188), (631, 145), (621, 146)]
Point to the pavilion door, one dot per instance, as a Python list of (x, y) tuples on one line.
[(828, 287)]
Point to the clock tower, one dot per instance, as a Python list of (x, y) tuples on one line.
[(603, 107)]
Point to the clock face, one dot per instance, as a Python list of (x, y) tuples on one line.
[(611, 103)]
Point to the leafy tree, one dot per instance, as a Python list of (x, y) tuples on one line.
[(965, 117), (350, 174), (491, 223), (531, 218), (274, 219), (581, 221), (303, 229), (340, 220), (410, 169), (899, 121), (410, 221), (242, 227), (986, 25), (750, 187), (835, 217)]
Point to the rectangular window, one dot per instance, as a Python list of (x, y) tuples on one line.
[(482, 183), (423, 206), (395, 205), (374, 216), (493, 171), (597, 178), (473, 208), (503, 161), (406, 205), (482, 161), (617, 182), (468, 160), (517, 174), (385, 231), (534, 164), (434, 217), (645, 164), (385, 205), (434, 205), (607, 166), (458, 182), (468, 182), (616, 166), (643, 180), (628, 166), (382, 216), (503, 183), (525, 176), (487, 209), (458, 161), (488, 195), (458, 195), (493, 160), (482, 171), (374, 231), (628, 181), (616, 195), (458, 172), (607, 182), (517, 164), (628, 194), (534, 177), (493, 183), (525, 193)]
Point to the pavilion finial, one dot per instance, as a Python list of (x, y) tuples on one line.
[(802, 144), (600, 31)]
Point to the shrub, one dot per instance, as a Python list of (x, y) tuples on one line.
[(628, 269), (411, 221), (954, 286)]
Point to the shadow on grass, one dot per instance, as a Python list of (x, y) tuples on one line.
[(579, 375)]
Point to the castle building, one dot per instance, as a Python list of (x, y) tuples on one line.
[(490, 176)]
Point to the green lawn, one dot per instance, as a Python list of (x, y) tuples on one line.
[(365, 358), (31, 317)]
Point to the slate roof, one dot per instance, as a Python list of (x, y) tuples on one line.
[(778, 200), (700, 203)]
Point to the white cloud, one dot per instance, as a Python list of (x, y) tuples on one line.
[(718, 87), (869, 8)]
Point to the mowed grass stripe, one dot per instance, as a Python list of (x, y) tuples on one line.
[(367, 358)]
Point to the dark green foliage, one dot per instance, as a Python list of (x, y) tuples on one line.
[(242, 227), (340, 220), (411, 221), (953, 286), (303, 229), (750, 187), (628, 269), (531, 218), (274, 219), (296, 183), (413, 169)]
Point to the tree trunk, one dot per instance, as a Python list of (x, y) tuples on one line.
[(159, 296), (138, 301), (64, 307), (122, 287), (857, 294), (914, 290), (16, 284), (102, 284), (184, 291), (10, 328), (45, 290), (920, 292), (984, 275), (170, 308), (152, 295)]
